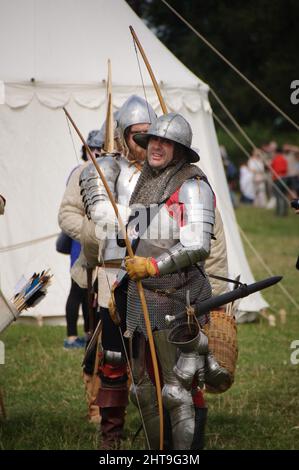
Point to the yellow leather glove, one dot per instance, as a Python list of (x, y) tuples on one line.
[(140, 268)]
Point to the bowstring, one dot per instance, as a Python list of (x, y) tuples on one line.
[(119, 329), (72, 139), (147, 105), (103, 262), (142, 81), (128, 362)]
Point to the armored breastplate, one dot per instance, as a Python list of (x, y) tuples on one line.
[(125, 184), (126, 181), (161, 234)]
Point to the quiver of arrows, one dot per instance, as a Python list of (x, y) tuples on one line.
[(31, 293)]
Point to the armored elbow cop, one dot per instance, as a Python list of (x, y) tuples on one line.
[(93, 191), (196, 231), (96, 202)]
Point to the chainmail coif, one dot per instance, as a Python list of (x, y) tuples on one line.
[(155, 187)]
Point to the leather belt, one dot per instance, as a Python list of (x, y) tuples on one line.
[(111, 264)]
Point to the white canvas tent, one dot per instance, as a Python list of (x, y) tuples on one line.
[(53, 54)]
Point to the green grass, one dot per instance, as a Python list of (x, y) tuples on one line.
[(277, 241), (44, 393), (261, 411)]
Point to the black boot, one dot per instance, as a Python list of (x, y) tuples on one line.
[(201, 415), (112, 426)]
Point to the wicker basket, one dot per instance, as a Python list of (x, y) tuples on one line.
[(222, 334)]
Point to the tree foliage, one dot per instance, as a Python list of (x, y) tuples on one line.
[(259, 37)]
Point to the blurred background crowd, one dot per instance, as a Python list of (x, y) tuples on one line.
[(268, 179)]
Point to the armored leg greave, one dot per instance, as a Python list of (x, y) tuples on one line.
[(176, 399), (143, 393), (187, 417)]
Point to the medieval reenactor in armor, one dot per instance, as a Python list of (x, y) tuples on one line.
[(97, 236), (170, 228)]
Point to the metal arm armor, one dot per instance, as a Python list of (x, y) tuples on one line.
[(197, 230), (92, 189)]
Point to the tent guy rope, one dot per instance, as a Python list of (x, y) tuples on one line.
[(232, 66)]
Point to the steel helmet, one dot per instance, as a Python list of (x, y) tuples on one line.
[(173, 127)]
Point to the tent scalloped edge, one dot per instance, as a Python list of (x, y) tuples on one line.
[(18, 95)]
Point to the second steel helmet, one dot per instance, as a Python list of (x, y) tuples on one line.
[(135, 111)]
